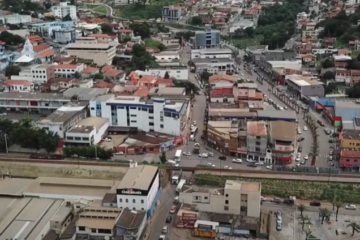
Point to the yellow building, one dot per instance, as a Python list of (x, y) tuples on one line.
[(350, 139), (206, 229)]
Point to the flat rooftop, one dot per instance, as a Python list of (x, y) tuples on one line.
[(211, 60), (243, 186), (296, 65), (85, 93), (13, 186), (351, 134), (160, 91), (25, 218), (256, 128), (212, 51), (301, 80), (88, 46), (138, 178), (33, 96), (70, 186), (88, 124), (283, 130), (130, 220)]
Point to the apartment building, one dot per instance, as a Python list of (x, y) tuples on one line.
[(214, 66), (206, 39), (64, 35), (172, 13), (257, 140), (223, 135), (235, 198), (42, 73), (68, 70), (211, 53), (100, 53), (304, 85), (177, 72), (14, 18), (167, 56), (64, 9), (155, 114), (283, 140)]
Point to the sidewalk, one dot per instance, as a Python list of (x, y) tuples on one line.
[(287, 176)]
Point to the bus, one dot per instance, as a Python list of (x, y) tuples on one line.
[(177, 157)]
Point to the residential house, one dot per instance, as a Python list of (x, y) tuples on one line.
[(354, 45), (126, 34), (18, 86), (89, 72), (68, 70)]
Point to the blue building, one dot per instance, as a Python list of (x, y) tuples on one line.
[(139, 190), (130, 224), (207, 39)]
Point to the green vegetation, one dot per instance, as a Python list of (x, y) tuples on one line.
[(88, 152), (247, 42), (154, 44), (203, 166), (349, 193), (101, 9)]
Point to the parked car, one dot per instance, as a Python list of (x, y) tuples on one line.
[(315, 203), (223, 158), (173, 209), (164, 229), (278, 227), (237, 160), (301, 139), (168, 219), (350, 207), (252, 165)]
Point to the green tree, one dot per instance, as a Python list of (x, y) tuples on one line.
[(302, 209), (354, 227), (77, 75), (162, 158), (190, 88), (98, 76), (329, 75), (325, 213), (303, 220), (338, 204), (327, 63), (67, 18), (249, 31), (107, 29), (308, 233), (12, 70), (196, 20), (354, 92), (142, 30), (186, 35)]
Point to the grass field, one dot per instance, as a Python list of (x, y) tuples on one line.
[(151, 43), (101, 9), (69, 171), (246, 42)]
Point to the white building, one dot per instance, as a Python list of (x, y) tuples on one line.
[(64, 35), (124, 2), (167, 56), (214, 66), (42, 73), (18, 86), (156, 114), (63, 118), (64, 9), (88, 131), (139, 189), (68, 70), (211, 53), (177, 72), (14, 19)]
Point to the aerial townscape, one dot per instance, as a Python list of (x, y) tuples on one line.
[(179, 119)]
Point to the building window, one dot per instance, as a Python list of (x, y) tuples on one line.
[(133, 121), (81, 228), (226, 195), (161, 125), (134, 201), (226, 208), (126, 200), (226, 201), (93, 230), (120, 199), (132, 115), (142, 200)]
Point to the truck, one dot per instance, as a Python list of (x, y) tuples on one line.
[(196, 149), (180, 185), (176, 177)]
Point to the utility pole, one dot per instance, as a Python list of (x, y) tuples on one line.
[(6, 145)]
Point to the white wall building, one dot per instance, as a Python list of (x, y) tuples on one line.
[(64, 35), (64, 9), (157, 114), (139, 189), (15, 19), (167, 56), (214, 66), (67, 70), (88, 131), (211, 53), (177, 72), (124, 2)]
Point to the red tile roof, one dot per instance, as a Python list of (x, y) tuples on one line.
[(112, 72), (125, 31), (106, 68), (89, 70), (148, 78), (47, 53), (103, 84), (142, 92), (41, 47), (17, 82)]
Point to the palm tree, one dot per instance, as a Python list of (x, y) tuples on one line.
[(304, 220), (302, 209), (354, 226), (325, 213), (308, 233), (338, 204)]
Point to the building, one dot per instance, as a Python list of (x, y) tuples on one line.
[(18, 86), (124, 2), (283, 139), (167, 56), (139, 190), (304, 86), (64, 35), (88, 131), (235, 198), (68, 70), (14, 18), (211, 53), (130, 224), (177, 72), (100, 53), (42, 73), (214, 66), (257, 140), (63, 9), (155, 114), (172, 13), (64, 118), (206, 39)]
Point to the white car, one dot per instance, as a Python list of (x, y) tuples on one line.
[(249, 160), (350, 207), (305, 128), (260, 163), (237, 160), (306, 157), (227, 167), (203, 155), (297, 159), (299, 132), (211, 165), (298, 155), (194, 123), (119, 153), (188, 154), (269, 167), (210, 154)]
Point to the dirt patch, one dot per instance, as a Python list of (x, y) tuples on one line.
[(69, 171)]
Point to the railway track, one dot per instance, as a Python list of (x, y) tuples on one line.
[(240, 172)]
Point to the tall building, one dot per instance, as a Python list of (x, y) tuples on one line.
[(64, 9), (172, 13), (257, 140), (206, 39)]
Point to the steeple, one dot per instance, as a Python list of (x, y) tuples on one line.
[(28, 49)]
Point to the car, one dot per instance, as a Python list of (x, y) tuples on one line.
[(301, 139), (278, 227), (210, 165), (173, 209), (306, 157), (107, 139), (331, 152), (210, 154), (249, 160), (188, 154), (164, 229), (227, 167), (330, 158), (269, 167), (223, 158), (298, 154), (299, 149), (119, 153), (176, 200), (276, 200), (252, 165), (305, 128), (303, 162), (237, 160), (203, 155), (299, 132), (194, 123), (259, 163), (315, 203), (162, 237), (297, 159), (350, 207)]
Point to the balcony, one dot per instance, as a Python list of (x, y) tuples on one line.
[(278, 148)]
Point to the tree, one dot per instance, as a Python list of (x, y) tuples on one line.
[(308, 233), (329, 75), (327, 63), (302, 209), (354, 226), (77, 75), (12, 70), (162, 157), (186, 35), (190, 88), (338, 204), (107, 28), (89, 152), (325, 213), (67, 18), (196, 20), (11, 39), (249, 31), (98, 76), (142, 30), (331, 87), (314, 152), (303, 220), (354, 92), (167, 76)]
